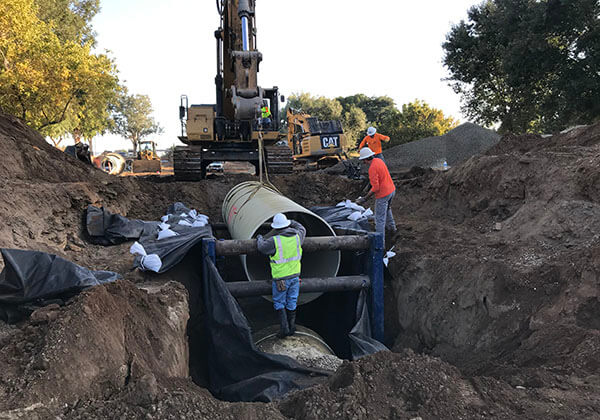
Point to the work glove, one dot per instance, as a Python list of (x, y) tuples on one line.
[(360, 200), (280, 285)]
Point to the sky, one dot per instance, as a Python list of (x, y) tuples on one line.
[(329, 48)]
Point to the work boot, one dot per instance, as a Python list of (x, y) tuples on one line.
[(291, 316), (284, 329)]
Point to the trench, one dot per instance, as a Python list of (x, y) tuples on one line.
[(331, 315)]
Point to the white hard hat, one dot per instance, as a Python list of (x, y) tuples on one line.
[(371, 131), (280, 221), (365, 153)]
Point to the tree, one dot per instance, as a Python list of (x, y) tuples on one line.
[(532, 65), (417, 120), (70, 19), (317, 106), (355, 124), (50, 84), (372, 106), (132, 118)]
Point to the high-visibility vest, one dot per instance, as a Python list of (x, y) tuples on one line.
[(265, 112), (288, 253)]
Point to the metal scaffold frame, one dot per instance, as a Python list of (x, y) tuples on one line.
[(371, 278)]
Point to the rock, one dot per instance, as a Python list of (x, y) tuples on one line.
[(46, 314), (144, 391)]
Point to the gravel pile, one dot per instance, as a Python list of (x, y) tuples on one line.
[(453, 147), (325, 361)]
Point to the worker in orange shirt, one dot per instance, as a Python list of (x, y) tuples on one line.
[(373, 141), (384, 190)]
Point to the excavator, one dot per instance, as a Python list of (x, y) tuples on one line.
[(234, 128), (315, 144)]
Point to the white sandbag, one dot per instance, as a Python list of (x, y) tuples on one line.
[(355, 216), (193, 213), (367, 213), (388, 255), (164, 226), (354, 206), (165, 218), (166, 233), (184, 223), (199, 223), (150, 262)]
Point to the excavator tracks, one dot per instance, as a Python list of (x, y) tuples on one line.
[(279, 159), (187, 163)]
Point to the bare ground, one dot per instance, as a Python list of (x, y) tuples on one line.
[(492, 302)]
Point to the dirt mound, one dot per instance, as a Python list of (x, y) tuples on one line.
[(105, 338), (409, 386), (497, 268), (27, 156)]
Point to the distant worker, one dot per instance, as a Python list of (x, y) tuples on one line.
[(384, 190), (265, 114), (284, 247), (373, 141)]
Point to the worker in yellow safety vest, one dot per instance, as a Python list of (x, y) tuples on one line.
[(265, 114), (283, 245)]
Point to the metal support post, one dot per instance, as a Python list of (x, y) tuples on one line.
[(376, 274), (208, 249)]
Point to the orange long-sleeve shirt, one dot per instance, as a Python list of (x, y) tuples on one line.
[(380, 178), (373, 143)]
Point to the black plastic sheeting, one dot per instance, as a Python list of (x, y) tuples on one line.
[(172, 250), (237, 370), (337, 217), (33, 279), (361, 342), (107, 228)]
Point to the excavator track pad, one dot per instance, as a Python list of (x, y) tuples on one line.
[(279, 159), (187, 163)]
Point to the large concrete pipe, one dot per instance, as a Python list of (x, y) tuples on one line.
[(249, 205)]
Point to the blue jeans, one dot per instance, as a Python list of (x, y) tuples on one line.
[(289, 297), (380, 156), (383, 214)]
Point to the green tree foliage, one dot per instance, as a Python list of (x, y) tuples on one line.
[(373, 106), (133, 118), (70, 19), (532, 65), (353, 118), (56, 86), (417, 120), (414, 121), (354, 122), (318, 106)]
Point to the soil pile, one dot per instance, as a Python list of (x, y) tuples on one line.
[(27, 156), (499, 262), (94, 346), (410, 386)]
